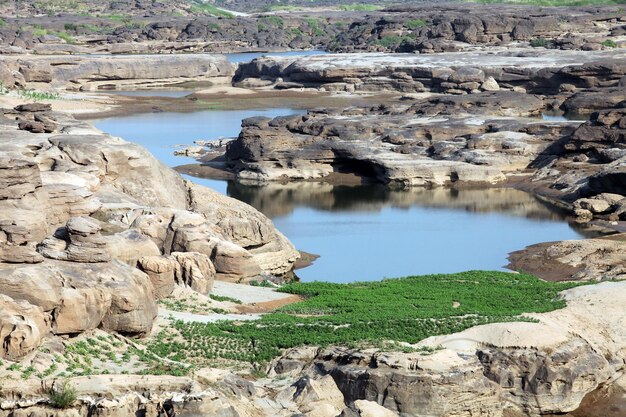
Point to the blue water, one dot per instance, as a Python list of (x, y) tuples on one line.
[(364, 232), (160, 133)]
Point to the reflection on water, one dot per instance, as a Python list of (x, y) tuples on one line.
[(364, 232), (371, 232), (559, 116), (161, 133)]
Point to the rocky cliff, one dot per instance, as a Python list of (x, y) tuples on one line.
[(94, 230)]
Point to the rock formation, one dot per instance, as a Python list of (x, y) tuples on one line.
[(535, 71), (94, 230)]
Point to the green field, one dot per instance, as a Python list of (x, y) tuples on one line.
[(399, 310)]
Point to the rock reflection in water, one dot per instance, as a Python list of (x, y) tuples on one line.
[(369, 232)]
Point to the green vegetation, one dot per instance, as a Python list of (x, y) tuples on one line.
[(609, 43), (2, 22), (359, 7), (262, 283), (539, 43), (208, 8), (62, 397), (38, 95), (41, 31), (414, 23), (404, 310), (224, 298), (275, 21), (557, 3), (315, 26), (392, 41)]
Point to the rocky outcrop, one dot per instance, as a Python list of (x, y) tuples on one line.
[(528, 368), (457, 73), (587, 260), (104, 72), (22, 325), (94, 230), (586, 168), (435, 141)]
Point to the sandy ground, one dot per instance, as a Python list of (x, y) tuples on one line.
[(247, 294), (75, 103)]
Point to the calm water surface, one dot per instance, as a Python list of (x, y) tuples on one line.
[(364, 232)]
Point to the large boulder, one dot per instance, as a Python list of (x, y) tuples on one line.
[(22, 325)]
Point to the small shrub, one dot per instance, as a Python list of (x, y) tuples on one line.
[(414, 23), (275, 21), (62, 397), (264, 283), (539, 43), (609, 43)]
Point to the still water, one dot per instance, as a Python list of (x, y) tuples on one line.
[(364, 232)]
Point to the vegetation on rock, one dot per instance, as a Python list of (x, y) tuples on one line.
[(401, 310)]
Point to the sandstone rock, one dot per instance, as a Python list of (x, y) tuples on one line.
[(595, 206), (372, 409), (160, 269), (490, 84), (22, 326), (233, 263), (194, 270)]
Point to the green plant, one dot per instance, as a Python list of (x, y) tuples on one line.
[(392, 41), (539, 43), (358, 7), (38, 95), (262, 283), (207, 8), (273, 20), (402, 310), (414, 23), (609, 43), (224, 298), (314, 25), (63, 396)]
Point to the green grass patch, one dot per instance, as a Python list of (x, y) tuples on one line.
[(539, 43), (314, 25), (399, 310), (207, 8), (275, 21), (359, 7), (392, 41), (414, 23), (609, 43), (38, 95)]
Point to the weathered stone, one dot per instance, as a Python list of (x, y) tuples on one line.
[(22, 326), (194, 270)]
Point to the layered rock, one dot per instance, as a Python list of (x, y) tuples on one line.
[(459, 73), (81, 211), (435, 141), (101, 72), (525, 368), (588, 165)]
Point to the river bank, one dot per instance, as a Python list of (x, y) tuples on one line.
[(117, 273)]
